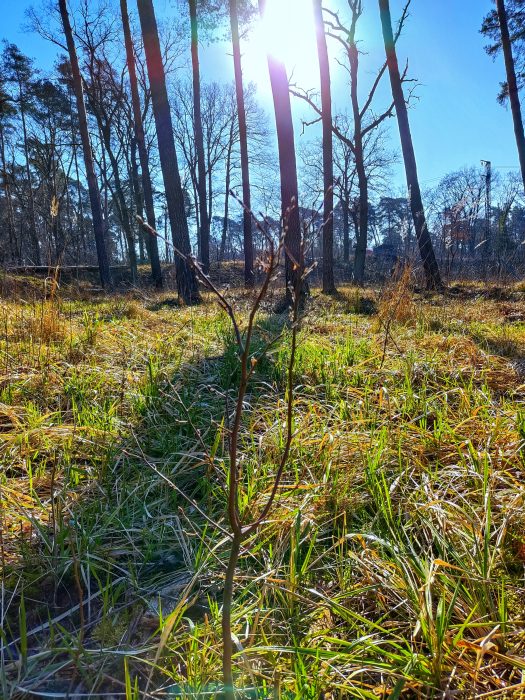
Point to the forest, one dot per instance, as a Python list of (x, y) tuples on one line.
[(262, 350)]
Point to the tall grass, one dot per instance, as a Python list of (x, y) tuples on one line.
[(392, 566)]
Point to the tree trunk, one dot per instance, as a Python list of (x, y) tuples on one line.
[(123, 211), (328, 161), (195, 188), (31, 198), (186, 279), (354, 213), (138, 201), (94, 194), (147, 188), (362, 233), (204, 229), (8, 201), (249, 277), (105, 199), (225, 221), (362, 179), (288, 172), (513, 85), (426, 249), (346, 229), (210, 190), (166, 244), (77, 177)]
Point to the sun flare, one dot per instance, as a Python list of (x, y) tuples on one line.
[(287, 31)]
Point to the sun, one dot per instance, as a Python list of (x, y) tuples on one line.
[(287, 32)]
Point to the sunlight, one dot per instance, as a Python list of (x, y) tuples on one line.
[(287, 31)]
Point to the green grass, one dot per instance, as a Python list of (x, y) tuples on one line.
[(392, 564)]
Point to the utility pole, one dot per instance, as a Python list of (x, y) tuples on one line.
[(488, 203)]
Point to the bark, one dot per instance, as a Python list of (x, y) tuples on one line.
[(346, 230), (140, 138), (243, 143), (195, 188), (8, 201), (77, 179), (166, 243), (362, 178), (186, 280), (103, 168), (354, 213), (426, 249), (137, 193), (94, 194), (210, 190), (512, 85), (328, 161), (288, 173), (204, 228)]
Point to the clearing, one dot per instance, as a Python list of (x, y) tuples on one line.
[(392, 565)]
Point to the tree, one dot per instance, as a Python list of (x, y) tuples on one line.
[(105, 91), (65, 78), (186, 279), (226, 220), (47, 145), (364, 125), (456, 202), (20, 72), (219, 135), (328, 160), (512, 85), (515, 15), (204, 223), (430, 266), (94, 194), (243, 140), (140, 139), (357, 145), (7, 112), (378, 160), (288, 171), (344, 167)]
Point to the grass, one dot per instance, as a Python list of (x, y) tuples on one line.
[(392, 566)]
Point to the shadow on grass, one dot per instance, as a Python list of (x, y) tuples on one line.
[(354, 301), (501, 347), (123, 557)]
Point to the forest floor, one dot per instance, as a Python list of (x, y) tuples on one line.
[(393, 563)]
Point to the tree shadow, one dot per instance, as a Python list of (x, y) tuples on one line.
[(131, 547)]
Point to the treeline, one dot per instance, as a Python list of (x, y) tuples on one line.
[(126, 153)]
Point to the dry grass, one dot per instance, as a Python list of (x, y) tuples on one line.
[(396, 302), (393, 565)]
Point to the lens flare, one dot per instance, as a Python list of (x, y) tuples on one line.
[(288, 33)]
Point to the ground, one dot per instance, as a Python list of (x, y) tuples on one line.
[(392, 564)]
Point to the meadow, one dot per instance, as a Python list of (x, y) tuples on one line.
[(392, 563)]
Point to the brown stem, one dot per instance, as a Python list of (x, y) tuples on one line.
[(240, 532), (227, 654), (289, 417)]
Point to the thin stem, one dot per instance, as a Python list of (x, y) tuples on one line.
[(227, 654), (289, 417)]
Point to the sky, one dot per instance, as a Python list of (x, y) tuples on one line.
[(456, 120)]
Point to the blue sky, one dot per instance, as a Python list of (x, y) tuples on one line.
[(456, 120)]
